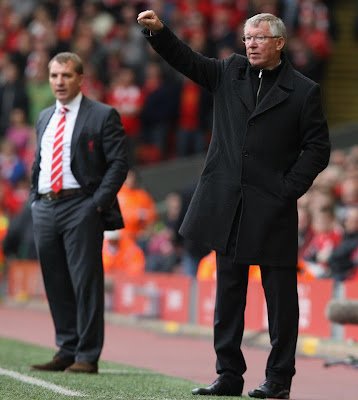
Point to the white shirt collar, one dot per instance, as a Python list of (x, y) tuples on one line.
[(72, 105)]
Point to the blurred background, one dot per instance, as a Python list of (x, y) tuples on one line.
[(168, 122)]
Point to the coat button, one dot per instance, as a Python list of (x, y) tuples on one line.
[(246, 153), (244, 184), (251, 123)]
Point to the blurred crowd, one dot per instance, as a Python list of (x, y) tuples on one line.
[(165, 116)]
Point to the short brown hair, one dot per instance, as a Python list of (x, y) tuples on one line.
[(67, 56)]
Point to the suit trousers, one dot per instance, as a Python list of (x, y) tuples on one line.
[(69, 239), (280, 288)]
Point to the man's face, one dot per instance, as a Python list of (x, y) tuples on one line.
[(264, 55), (65, 82)]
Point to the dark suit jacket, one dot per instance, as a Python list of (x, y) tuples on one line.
[(98, 156), (268, 155)]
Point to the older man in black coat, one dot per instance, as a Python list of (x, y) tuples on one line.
[(270, 140)]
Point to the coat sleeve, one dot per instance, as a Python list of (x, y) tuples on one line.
[(315, 146), (35, 165), (202, 70), (115, 152)]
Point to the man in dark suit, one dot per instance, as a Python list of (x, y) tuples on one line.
[(270, 140), (80, 165)]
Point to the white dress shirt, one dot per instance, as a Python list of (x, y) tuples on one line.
[(69, 181)]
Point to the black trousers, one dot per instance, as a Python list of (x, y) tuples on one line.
[(69, 238), (280, 287)]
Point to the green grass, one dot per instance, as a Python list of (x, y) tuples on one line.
[(114, 381)]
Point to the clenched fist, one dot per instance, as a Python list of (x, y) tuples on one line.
[(150, 20)]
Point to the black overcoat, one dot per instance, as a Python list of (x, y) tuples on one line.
[(269, 155)]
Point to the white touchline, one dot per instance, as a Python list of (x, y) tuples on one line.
[(40, 382)]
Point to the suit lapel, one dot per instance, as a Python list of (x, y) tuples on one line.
[(279, 91), (42, 125), (243, 83), (45, 120), (275, 96), (82, 116)]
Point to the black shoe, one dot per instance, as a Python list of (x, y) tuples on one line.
[(223, 386), (270, 390)]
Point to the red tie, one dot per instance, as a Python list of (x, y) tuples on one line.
[(56, 168)]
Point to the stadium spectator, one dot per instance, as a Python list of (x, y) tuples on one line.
[(305, 231), (344, 258), (327, 234), (4, 224), (100, 20), (37, 87), (314, 30), (194, 119), (12, 168), (221, 33), (23, 8), (207, 268), (125, 38), (348, 196), (12, 93), (304, 59), (42, 27), (158, 109), (19, 131), (21, 54), (9, 204), (164, 251), (126, 96), (138, 209), (90, 48), (15, 28), (121, 253), (19, 241), (66, 23), (92, 86)]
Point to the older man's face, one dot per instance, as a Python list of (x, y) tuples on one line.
[(265, 55)]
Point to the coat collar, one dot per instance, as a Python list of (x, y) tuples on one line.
[(278, 93), (45, 119), (245, 88)]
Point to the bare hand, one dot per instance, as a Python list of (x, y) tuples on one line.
[(150, 20)]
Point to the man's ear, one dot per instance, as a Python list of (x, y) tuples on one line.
[(280, 43)]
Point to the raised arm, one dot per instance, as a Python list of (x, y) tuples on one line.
[(202, 70), (149, 19)]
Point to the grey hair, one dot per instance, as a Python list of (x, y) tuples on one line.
[(63, 58), (277, 27)]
